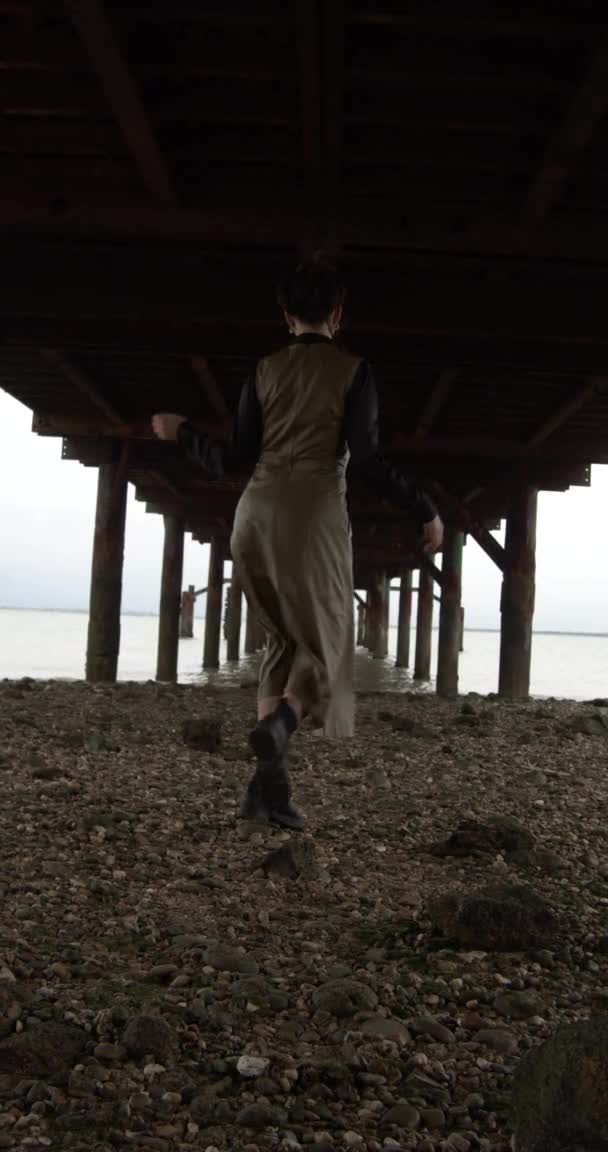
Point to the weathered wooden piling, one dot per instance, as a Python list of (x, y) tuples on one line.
[(449, 614), (186, 616), (360, 624), (518, 593), (103, 639), (378, 609), (235, 616), (170, 598), (213, 616), (424, 626), (405, 620)]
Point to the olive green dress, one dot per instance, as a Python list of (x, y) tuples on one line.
[(291, 540)]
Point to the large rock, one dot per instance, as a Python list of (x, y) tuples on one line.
[(149, 1036), (226, 958), (204, 734), (498, 834), (344, 998), (43, 1050), (502, 919), (560, 1094)]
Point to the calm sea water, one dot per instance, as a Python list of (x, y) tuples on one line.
[(50, 645)]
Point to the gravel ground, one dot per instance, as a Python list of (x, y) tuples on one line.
[(172, 979)]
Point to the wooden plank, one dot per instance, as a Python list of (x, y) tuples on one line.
[(557, 419), (571, 137), (212, 390), (332, 114), (306, 18), (435, 401), (81, 382), (461, 515), (94, 27)]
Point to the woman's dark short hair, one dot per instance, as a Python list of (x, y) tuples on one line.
[(312, 291)]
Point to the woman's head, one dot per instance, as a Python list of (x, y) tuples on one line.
[(312, 297)]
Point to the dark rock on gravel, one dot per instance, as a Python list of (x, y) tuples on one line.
[(499, 834), (203, 734), (43, 1050), (149, 1036), (497, 919), (560, 1099), (343, 998)]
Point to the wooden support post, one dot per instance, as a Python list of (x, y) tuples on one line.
[(169, 616), (518, 591), (213, 616), (360, 624), (424, 625), (103, 641), (235, 617), (449, 613), (368, 639), (186, 617), (379, 608), (249, 633), (405, 620), (462, 629)]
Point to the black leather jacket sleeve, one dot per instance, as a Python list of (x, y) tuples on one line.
[(362, 438), (237, 455)]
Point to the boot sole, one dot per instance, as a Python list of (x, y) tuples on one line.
[(294, 825)]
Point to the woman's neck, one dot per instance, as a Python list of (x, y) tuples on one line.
[(302, 329)]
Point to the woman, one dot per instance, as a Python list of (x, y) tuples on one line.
[(308, 410)]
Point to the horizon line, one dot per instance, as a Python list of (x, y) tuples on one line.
[(155, 615)]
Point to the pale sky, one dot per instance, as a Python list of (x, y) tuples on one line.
[(47, 509)]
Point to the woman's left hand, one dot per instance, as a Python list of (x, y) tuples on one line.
[(166, 425)]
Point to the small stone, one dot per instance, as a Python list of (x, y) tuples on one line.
[(386, 1028), (250, 1067), (226, 958), (344, 998), (498, 1040), (296, 858), (353, 1139), (110, 1052), (519, 1005), (163, 972), (261, 1116), (402, 1115), (458, 1143), (433, 1119), (427, 1025)]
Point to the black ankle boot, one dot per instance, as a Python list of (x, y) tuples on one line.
[(270, 737), (254, 805), (277, 793)]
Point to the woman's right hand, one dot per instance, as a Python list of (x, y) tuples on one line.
[(432, 533)]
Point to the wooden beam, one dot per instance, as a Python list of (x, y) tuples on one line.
[(212, 390), (436, 399), (332, 107), (562, 414), (459, 512), (81, 382), (99, 39), (306, 16), (572, 135)]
